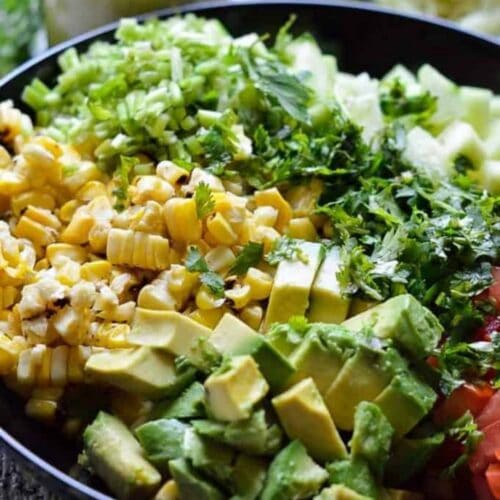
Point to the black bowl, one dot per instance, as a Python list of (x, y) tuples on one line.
[(363, 37)]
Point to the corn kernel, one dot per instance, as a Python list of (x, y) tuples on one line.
[(5, 159), (272, 197), (303, 198), (68, 273), (98, 236), (10, 350), (67, 211), (152, 188), (34, 231), (169, 491), (90, 191), (56, 251), (35, 198), (156, 296), (59, 366), (302, 228), (41, 409), (42, 161), (172, 173), (252, 315), (98, 270), (43, 372), (8, 296), (77, 231), (70, 324), (208, 317), (206, 300), (220, 230), (182, 220), (240, 296), (260, 283), (220, 258), (265, 216)]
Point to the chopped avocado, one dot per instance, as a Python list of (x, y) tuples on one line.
[(362, 378), (234, 389), (211, 458), (339, 492), (162, 440), (355, 475), (293, 474), (372, 437), (405, 401), (401, 495), (305, 417), (409, 456), (190, 404), (169, 330), (292, 284), (254, 435), (328, 304), (116, 457), (286, 337), (232, 337), (249, 474), (148, 372), (322, 354), (191, 484), (411, 326)]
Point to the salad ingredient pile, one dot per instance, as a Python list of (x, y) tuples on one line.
[(239, 272)]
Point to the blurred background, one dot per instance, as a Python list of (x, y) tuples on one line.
[(27, 27)]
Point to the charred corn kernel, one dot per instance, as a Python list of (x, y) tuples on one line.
[(302, 228), (304, 197), (56, 251), (5, 159), (40, 235), (220, 230), (95, 271), (152, 188), (208, 317), (84, 171), (41, 409), (70, 324), (182, 220), (43, 162), (90, 191), (171, 172), (240, 296), (156, 296), (98, 236), (35, 198), (148, 251), (12, 183), (272, 197), (265, 216), (43, 372), (68, 272), (77, 231), (260, 283), (59, 365), (220, 258), (252, 315), (206, 300), (148, 218), (168, 491), (43, 216), (67, 211), (8, 296), (10, 349)]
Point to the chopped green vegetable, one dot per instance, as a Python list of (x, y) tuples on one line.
[(250, 255), (205, 202), (196, 263)]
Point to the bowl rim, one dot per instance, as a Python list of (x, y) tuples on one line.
[(13, 446)]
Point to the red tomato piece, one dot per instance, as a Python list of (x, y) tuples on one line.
[(491, 324), (485, 453), (493, 479), (481, 487), (469, 397), (491, 412)]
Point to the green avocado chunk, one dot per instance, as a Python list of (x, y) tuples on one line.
[(254, 435), (339, 492), (232, 337), (322, 354), (116, 457), (162, 441), (362, 378), (372, 437), (354, 474), (293, 474), (412, 327), (405, 401), (248, 477), (409, 456), (286, 337), (191, 484), (151, 373), (190, 404)]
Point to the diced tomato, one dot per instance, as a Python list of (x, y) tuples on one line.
[(433, 361), (468, 397), (481, 487), (491, 412), (491, 324), (493, 479), (485, 453), (497, 455), (492, 293)]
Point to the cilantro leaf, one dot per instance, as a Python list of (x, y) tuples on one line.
[(250, 255), (126, 166), (214, 282), (204, 200), (285, 248), (196, 263)]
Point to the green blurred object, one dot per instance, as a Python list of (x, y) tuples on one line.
[(19, 24)]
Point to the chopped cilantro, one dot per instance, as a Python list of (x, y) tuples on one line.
[(205, 202), (250, 255), (285, 248), (196, 263)]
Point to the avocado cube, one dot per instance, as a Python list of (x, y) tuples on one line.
[(322, 355), (293, 474), (162, 441), (355, 475), (116, 457), (232, 337), (292, 284), (362, 378), (189, 404), (328, 304), (339, 492), (234, 389), (191, 484), (140, 370), (305, 417), (169, 330), (405, 401), (286, 337), (372, 437), (254, 435), (248, 478), (411, 326)]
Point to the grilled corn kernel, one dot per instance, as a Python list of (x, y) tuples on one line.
[(240, 296), (98, 270), (220, 230), (90, 191), (208, 317), (68, 272), (35, 198), (206, 300), (302, 228), (272, 197), (43, 163), (34, 231), (260, 283), (152, 188), (56, 251), (252, 315), (182, 220), (67, 211), (147, 218), (70, 324), (265, 216), (220, 258), (172, 173)]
